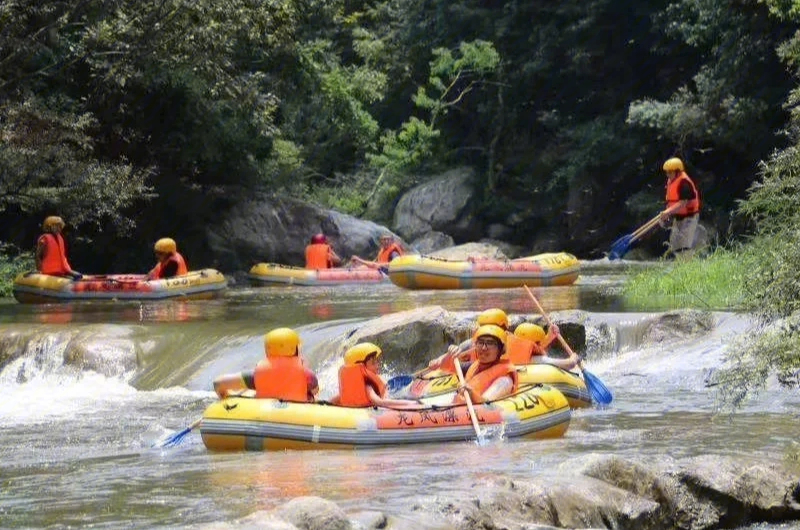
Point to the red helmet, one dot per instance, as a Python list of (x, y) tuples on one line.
[(318, 238)]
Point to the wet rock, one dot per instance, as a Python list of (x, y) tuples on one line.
[(95, 350), (470, 250), (443, 204), (431, 242), (266, 228), (414, 336), (683, 323), (255, 521), (370, 520), (314, 513)]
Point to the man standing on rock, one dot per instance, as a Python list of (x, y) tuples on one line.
[(683, 205)]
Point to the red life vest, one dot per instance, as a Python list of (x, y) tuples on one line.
[(481, 380), (353, 383), (174, 257), (385, 254), (281, 378), (54, 261), (318, 256), (673, 196)]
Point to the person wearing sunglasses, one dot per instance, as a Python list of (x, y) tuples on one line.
[(492, 376)]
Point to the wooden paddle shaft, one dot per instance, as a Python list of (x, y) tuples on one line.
[(468, 399)]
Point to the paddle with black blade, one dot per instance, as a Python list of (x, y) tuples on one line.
[(600, 393)]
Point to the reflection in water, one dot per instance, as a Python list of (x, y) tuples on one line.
[(78, 452)]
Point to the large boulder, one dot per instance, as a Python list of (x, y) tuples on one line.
[(432, 241), (443, 204), (266, 228)]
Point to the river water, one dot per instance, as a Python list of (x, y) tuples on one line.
[(75, 443)]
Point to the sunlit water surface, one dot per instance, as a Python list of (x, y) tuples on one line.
[(75, 445)]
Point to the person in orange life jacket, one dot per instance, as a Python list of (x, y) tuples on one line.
[(51, 251), (320, 255), (170, 262), (389, 250), (360, 384), (681, 194), (465, 352), (282, 375), (492, 376), (532, 345)]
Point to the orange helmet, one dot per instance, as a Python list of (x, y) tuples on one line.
[(494, 316)]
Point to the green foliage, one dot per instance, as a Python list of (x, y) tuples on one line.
[(715, 282), (47, 163), (12, 263)]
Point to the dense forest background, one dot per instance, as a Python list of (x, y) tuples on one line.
[(136, 120)]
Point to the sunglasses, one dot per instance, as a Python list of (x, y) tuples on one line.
[(486, 344)]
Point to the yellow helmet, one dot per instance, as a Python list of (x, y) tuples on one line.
[(531, 332), (494, 316), (52, 221), (166, 245), (490, 330), (360, 352), (281, 342), (673, 164)]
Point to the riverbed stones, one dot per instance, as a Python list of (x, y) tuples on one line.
[(314, 513)]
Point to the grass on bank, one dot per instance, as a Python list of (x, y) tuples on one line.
[(714, 282)]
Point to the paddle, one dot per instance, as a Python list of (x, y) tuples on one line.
[(621, 246), (176, 438), (600, 393), (474, 417)]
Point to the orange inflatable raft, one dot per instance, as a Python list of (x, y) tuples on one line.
[(420, 272), (36, 288), (273, 273)]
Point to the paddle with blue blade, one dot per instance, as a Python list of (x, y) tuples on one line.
[(621, 246), (177, 437), (600, 393)]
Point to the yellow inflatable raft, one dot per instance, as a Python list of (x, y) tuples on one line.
[(35, 288), (570, 384), (240, 423), (273, 273), (420, 272)]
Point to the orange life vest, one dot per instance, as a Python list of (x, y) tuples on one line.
[(481, 380), (281, 378), (177, 258), (385, 253), (449, 361), (519, 350), (318, 256), (55, 255), (353, 383), (673, 195)]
